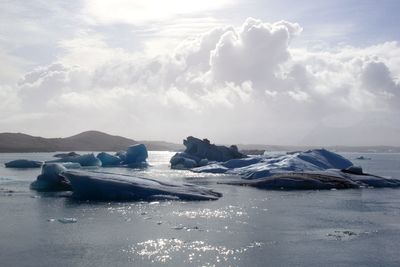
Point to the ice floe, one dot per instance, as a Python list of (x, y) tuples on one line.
[(23, 163), (110, 186)]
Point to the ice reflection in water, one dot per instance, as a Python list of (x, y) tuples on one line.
[(163, 250)]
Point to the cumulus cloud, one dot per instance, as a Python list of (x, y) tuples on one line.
[(232, 84)]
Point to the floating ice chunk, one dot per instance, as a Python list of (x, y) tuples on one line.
[(239, 163), (50, 179), (198, 152), (67, 220), (212, 168), (136, 154), (318, 180), (108, 160), (65, 155), (261, 166), (363, 158), (178, 162), (109, 186), (300, 181), (84, 160), (23, 163), (356, 174), (71, 165), (121, 154), (204, 149)]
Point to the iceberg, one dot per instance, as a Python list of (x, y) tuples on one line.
[(136, 156), (64, 155), (267, 165), (313, 169), (319, 180), (121, 154), (86, 160), (363, 158), (23, 163), (108, 159), (200, 152), (50, 179), (110, 186)]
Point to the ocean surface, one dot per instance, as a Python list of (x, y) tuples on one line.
[(246, 227)]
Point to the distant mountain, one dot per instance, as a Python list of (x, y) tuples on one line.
[(86, 141)]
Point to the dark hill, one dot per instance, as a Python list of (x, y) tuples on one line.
[(86, 141)]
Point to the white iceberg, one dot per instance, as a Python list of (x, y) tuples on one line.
[(50, 179), (267, 165)]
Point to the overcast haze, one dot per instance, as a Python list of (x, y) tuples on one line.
[(293, 72)]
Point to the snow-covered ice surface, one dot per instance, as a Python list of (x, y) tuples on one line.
[(314, 169), (269, 164), (246, 227)]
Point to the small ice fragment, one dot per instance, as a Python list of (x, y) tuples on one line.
[(51, 220), (67, 220)]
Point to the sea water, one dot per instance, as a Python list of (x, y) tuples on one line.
[(246, 227)]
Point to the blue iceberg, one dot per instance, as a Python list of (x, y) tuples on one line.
[(121, 154), (108, 159), (200, 152), (136, 156), (23, 163), (86, 160), (110, 186)]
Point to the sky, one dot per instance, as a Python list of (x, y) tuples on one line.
[(234, 71)]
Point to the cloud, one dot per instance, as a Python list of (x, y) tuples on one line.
[(140, 12), (232, 84)]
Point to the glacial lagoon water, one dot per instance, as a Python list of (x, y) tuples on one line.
[(246, 227)]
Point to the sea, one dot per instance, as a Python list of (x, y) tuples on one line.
[(246, 227)]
